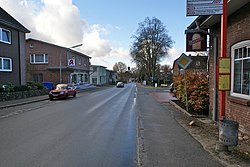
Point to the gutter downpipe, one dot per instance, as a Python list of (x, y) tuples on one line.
[(215, 99)]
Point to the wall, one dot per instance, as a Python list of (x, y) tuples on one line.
[(51, 70), (239, 30), (11, 51), (237, 109), (5, 96)]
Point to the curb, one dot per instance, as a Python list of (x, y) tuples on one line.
[(185, 112), (23, 103)]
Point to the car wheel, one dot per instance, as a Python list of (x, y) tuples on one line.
[(74, 95), (51, 98)]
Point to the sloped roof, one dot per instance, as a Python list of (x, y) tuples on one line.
[(47, 43), (8, 20)]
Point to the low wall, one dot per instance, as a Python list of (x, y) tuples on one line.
[(5, 96)]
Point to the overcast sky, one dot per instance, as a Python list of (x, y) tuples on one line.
[(104, 27)]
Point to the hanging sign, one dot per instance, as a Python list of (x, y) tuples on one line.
[(196, 41), (204, 7)]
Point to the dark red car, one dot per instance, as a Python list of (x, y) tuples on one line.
[(62, 91)]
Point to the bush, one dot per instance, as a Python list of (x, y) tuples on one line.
[(1, 88), (21, 88), (35, 85), (8, 87), (197, 90)]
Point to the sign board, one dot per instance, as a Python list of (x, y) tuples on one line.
[(224, 82), (72, 62), (224, 73), (224, 65), (196, 41), (184, 61), (204, 7)]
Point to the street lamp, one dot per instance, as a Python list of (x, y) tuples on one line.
[(67, 49)]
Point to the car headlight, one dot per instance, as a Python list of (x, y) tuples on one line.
[(61, 93), (50, 92)]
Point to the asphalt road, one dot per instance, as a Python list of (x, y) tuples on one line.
[(97, 129), (104, 128)]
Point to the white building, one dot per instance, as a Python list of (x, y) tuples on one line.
[(98, 75)]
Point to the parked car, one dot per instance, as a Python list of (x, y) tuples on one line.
[(120, 85), (62, 91)]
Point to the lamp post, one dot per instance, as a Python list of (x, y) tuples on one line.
[(67, 49)]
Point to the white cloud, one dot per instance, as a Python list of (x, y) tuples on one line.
[(59, 22), (94, 45), (174, 53)]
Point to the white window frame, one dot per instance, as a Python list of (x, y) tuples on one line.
[(34, 58), (1, 35), (2, 68), (237, 46)]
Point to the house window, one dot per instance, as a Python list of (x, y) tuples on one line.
[(39, 58), (240, 82), (79, 60), (5, 64), (37, 77), (5, 36), (94, 80)]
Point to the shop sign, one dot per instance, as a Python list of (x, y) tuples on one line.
[(196, 41), (72, 62), (204, 7)]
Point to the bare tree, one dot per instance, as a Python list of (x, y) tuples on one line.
[(120, 68), (151, 43)]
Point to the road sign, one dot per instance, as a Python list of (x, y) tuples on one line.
[(204, 7), (184, 61)]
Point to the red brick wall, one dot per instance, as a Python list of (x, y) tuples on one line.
[(51, 70), (238, 30)]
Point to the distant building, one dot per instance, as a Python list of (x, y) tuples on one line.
[(111, 76), (47, 62), (98, 75), (12, 50)]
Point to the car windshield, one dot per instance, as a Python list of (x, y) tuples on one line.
[(61, 86)]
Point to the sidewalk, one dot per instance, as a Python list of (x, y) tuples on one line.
[(12, 103), (206, 132)]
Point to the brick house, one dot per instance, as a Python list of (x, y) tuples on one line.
[(12, 50), (198, 64), (238, 49), (47, 62)]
